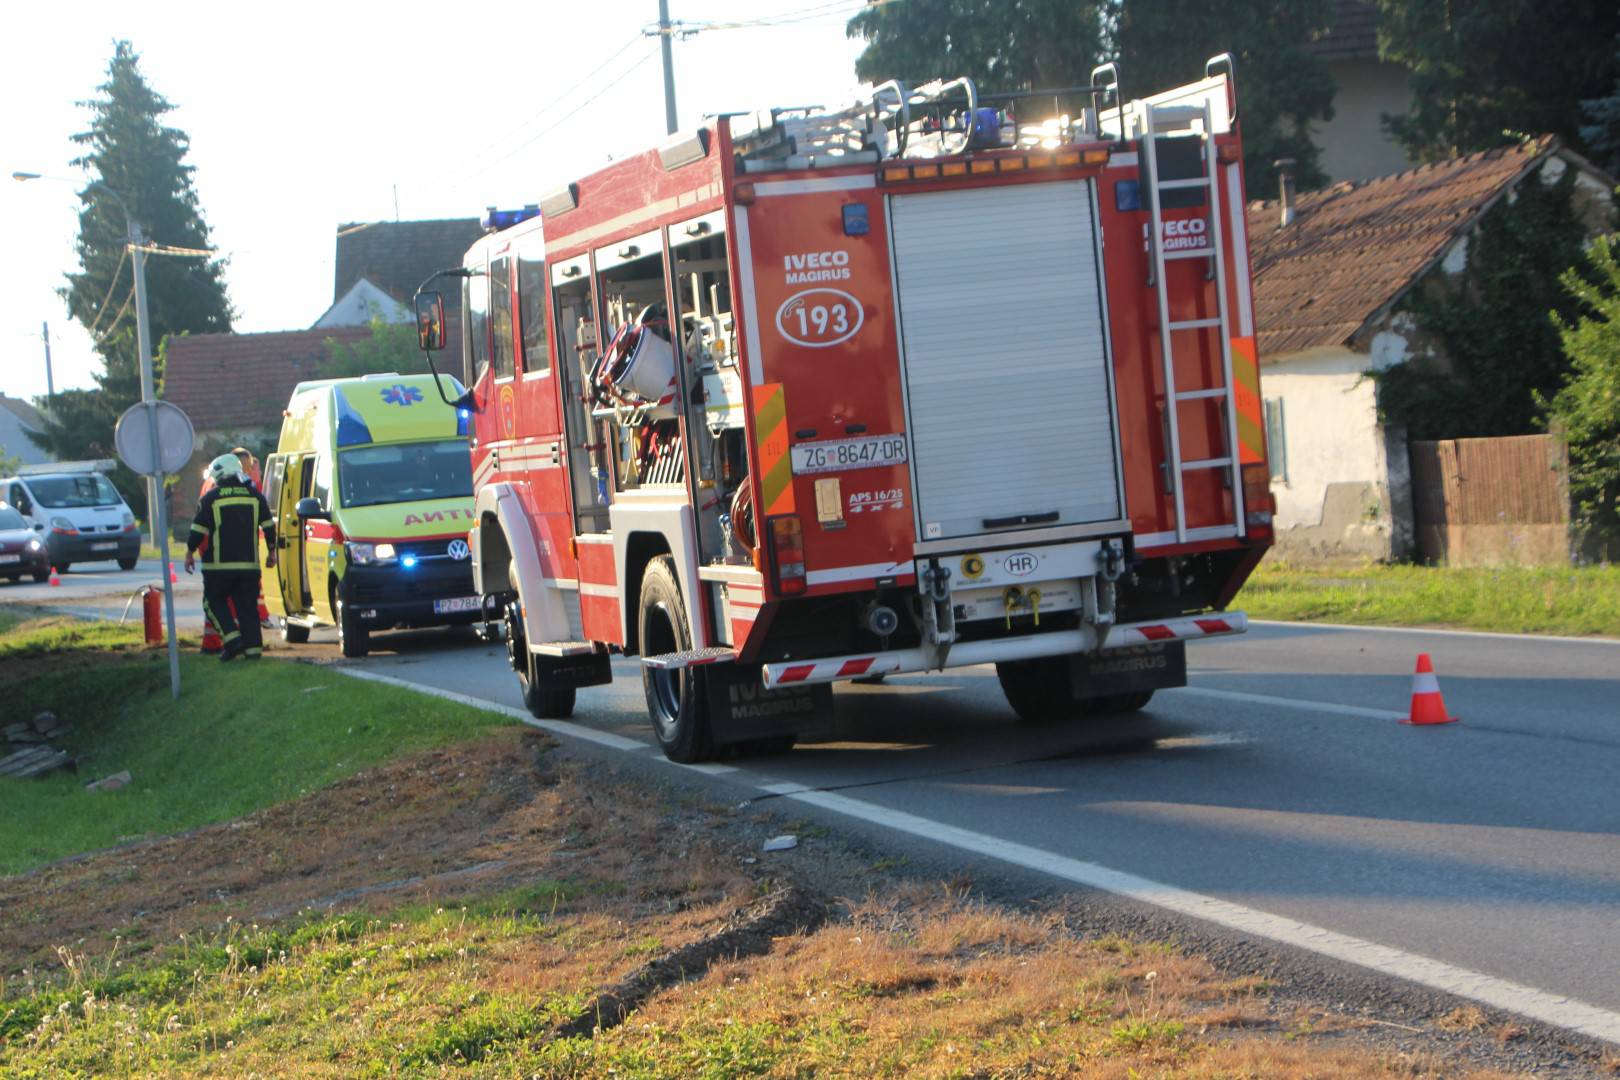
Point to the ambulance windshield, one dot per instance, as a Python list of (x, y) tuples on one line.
[(404, 472)]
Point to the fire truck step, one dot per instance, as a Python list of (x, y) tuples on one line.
[(1196, 395), (1207, 463), (563, 648), (717, 654), (1195, 324), (1190, 253), (1190, 182)]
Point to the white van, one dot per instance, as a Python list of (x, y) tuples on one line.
[(77, 512)]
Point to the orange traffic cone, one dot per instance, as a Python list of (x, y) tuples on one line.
[(1428, 707), (174, 578), (54, 579), (211, 641)]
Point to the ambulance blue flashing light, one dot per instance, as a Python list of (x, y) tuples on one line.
[(351, 428), (494, 220), (408, 561)]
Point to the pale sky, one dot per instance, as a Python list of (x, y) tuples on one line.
[(303, 116)]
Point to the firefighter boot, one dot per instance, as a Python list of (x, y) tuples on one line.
[(232, 648)]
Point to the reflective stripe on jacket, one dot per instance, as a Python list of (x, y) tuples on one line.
[(227, 518)]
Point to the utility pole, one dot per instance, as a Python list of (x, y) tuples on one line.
[(665, 34), (50, 383)]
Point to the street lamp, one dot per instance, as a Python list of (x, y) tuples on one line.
[(143, 334)]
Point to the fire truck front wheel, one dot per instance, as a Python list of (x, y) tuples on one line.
[(543, 702), (674, 697), (1038, 690)]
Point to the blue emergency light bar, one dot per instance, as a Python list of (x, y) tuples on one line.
[(494, 220)]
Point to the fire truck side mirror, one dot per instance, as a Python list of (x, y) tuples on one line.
[(430, 321)]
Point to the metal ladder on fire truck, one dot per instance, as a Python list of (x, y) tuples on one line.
[(1175, 119)]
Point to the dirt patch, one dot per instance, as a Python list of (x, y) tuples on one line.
[(465, 820)]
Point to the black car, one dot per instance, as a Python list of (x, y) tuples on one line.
[(21, 549)]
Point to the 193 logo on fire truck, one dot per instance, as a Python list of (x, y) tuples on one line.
[(817, 318)]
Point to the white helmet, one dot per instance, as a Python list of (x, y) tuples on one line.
[(224, 467)]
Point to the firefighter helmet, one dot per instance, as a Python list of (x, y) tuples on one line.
[(224, 468)]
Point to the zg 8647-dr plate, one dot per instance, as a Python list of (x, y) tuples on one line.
[(837, 455)]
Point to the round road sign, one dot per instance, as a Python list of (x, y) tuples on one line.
[(175, 439)]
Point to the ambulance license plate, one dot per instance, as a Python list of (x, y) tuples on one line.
[(10, 558), (103, 547), (836, 455), (456, 603)]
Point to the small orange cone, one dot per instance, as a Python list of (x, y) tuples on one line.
[(174, 578), (54, 579), (211, 642), (1428, 707)]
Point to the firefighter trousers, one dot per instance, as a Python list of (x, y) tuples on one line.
[(224, 590)]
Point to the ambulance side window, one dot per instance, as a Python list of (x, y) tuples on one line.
[(500, 316), (532, 310), (322, 489), (274, 470), (475, 346)]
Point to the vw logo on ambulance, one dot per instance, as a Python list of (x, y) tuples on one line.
[(458, 550)]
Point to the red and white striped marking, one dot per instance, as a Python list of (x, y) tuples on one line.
[(997, 650), (1235, 622), (854, 667)]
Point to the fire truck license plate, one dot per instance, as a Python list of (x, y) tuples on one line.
[(836, 455), (458, 603)]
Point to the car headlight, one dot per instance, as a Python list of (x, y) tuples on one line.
[(34, 545), (129, 520), (62, 524), (370, 554)]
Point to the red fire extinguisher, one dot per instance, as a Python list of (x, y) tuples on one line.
[(152, 614)]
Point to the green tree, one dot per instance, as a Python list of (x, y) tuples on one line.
[(1490, 323), (391, 347), (1585, 412), (1282, 88), (132, 152), (1488, 72), (1602, 132), (1033, 44)]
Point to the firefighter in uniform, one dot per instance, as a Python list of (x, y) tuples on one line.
[(227, 519)]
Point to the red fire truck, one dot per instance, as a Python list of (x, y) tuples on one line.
[(814, 395)]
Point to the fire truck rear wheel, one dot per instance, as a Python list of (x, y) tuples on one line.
[(1115, 704), (674, 697), (1038, 690)]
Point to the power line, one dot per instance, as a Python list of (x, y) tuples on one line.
[(576, 109), (112, 287)]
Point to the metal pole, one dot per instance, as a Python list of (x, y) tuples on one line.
[(50, 384), (157, 511), (665, 33)]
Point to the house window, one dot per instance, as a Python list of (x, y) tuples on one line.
[(1276, 439)]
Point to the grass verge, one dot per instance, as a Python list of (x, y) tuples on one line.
[(241, 736), (587, 884), (1516, 599)]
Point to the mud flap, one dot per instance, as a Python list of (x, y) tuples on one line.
[(1159, 666), (740, 708), (572, 672)]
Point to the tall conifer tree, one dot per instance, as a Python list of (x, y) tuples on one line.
[(130, 150)]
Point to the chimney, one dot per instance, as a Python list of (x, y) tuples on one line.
[(1285, 178)]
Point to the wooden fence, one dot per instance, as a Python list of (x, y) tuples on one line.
[(1484, 502)]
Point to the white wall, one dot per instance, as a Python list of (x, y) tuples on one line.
[(1335, 499), (1354, 146)]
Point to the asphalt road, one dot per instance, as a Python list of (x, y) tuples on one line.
[(100, 590), (1278, 781)]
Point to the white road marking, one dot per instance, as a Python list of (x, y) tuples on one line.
[(1290, 703), (1554, 1009), (1433, 630)]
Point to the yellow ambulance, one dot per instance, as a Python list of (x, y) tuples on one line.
[(371, 486)]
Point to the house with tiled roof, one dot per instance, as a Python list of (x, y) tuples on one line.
[(1329, 272), (397, 256), (17, 420), (1354, 144)]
